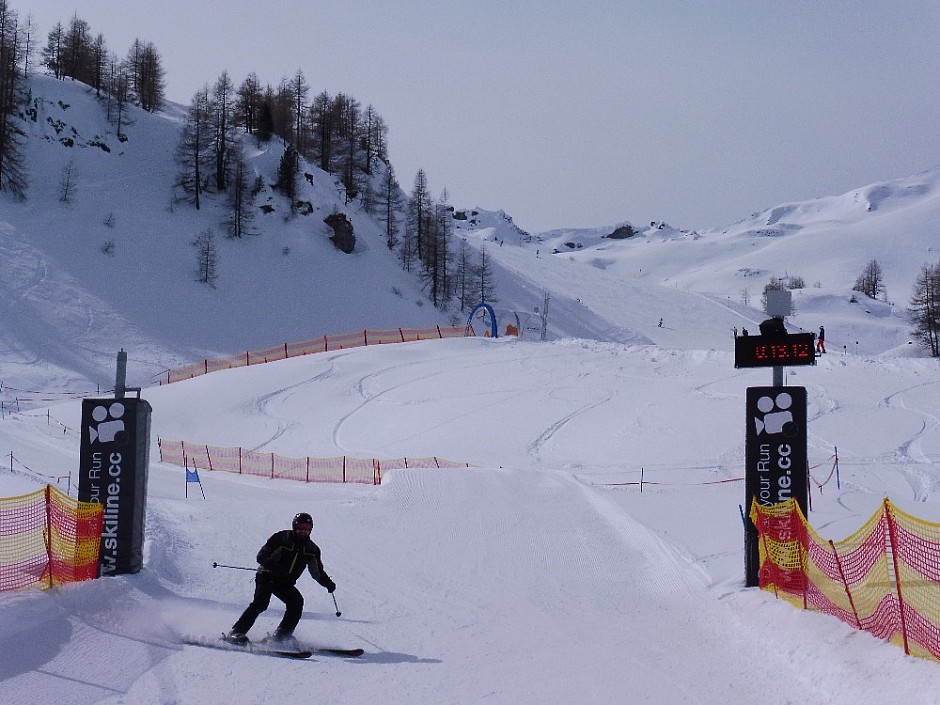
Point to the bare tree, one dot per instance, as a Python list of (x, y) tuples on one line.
[(287, 171), (146, 72), (322, 123), (207, 258), (390, 204), (347, 111), (240, 213), (298, 96), (871, 281), (118, 94), (52, 53), (925, 308), (12, 161), (67, 182), (221, 117), (194, 152), (248, 104), (419, 208), (486, 280)]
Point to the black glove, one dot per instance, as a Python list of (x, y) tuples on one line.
[(330, 586)]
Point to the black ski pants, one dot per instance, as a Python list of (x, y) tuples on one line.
[(286, 593)]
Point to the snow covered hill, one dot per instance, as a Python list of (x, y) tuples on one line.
[(541, 574), (114, 266)]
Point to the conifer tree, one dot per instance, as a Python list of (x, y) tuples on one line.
[(194, 153), (925, 308), (287, 173), (12, 161)]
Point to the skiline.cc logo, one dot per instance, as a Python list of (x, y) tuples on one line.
[(110, 427), (777, 417)]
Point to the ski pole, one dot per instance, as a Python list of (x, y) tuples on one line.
[(233, 567), (338, 613)]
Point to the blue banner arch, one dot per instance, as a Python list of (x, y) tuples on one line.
[(494, 331)]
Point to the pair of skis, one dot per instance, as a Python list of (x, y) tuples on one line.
[(269, 650)]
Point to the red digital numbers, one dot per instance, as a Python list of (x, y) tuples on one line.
[(761, 351)]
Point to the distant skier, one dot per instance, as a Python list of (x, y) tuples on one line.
[(282, 560), (821, 341), (660, 323)]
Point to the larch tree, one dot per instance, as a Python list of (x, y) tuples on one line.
[(871, 281), (222, 123), (240, 198), (389, 205), (12, 160), (924, 308), (194, 154), (298, 98), (248, 104), (145, 69), (207, 258)]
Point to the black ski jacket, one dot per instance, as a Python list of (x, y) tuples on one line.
[(284, 557)]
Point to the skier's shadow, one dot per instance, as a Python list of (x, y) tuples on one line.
[(389, 657)]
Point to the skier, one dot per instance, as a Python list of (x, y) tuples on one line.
[(282, 560), (821, 341)]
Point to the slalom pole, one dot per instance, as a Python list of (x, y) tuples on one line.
[(338, 613), (233, 567)]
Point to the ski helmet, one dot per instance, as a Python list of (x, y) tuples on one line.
[(302, 518)]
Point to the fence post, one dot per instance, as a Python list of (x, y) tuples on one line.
[(239, 460), (838, 481), (803, 541), (402, 334), (845, 584), (48, 496), (308, 468), (209, 459), (344, 468), (897, 577), (365, 336), (285, 351), (272, 466)]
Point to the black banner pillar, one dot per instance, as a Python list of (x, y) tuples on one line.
[(114, 462), (775, 459)]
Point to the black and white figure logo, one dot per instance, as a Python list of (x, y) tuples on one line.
[(775, 468), (109, 424), (776, 416)]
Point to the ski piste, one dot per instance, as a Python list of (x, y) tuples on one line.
[(247, 648)]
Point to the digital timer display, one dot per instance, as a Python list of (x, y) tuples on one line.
[(775, 351)]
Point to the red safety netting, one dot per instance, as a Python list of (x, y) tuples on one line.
[(320, 344), (883, 579), (247, 462), (47, 539)]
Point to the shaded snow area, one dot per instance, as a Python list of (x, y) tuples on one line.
[(541, 574)]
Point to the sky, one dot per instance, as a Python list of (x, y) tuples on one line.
[(697, 113), (541, 574)]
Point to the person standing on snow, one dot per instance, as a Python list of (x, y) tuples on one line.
[(821, 341), (282, 561)]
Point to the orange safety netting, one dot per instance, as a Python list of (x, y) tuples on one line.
[(883, 579), (47, 539), (248, 462), (320, 344)]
